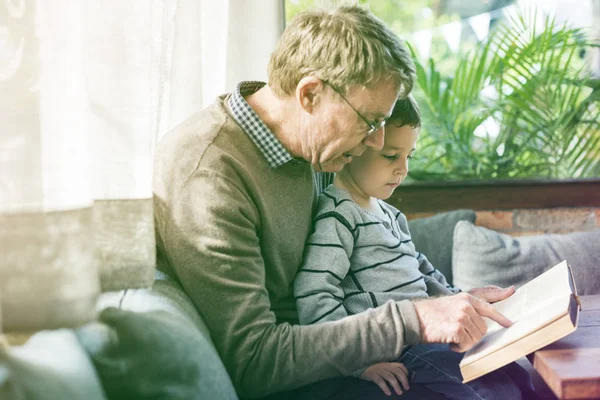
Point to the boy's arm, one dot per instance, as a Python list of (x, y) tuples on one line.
[(436, 282), (319, 297), (326, 262)]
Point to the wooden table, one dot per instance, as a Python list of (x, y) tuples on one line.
[(571, 366)]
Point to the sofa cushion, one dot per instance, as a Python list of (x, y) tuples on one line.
[(483, 256), (50, 365), (433, 237), (154, 354), (165, 295)]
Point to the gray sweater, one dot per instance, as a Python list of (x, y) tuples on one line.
[(355, 260)]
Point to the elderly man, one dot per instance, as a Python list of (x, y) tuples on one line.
[(234, 196)]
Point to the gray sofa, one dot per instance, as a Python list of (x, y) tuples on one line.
[(146, 344), (152, 343)]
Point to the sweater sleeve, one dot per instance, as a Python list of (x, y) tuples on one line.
[(436, 282), (214, 249), (326, 262)]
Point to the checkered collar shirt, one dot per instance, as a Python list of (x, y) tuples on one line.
[(262, 136)]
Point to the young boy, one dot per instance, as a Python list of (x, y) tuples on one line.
[(360, 255)]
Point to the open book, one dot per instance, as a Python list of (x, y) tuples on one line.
[(543, 310)]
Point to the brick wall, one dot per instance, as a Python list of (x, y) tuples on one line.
[(536, 221)]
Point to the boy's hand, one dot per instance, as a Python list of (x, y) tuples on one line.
[(491, 293), (394, 373)]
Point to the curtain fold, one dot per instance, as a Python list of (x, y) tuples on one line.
[(126, 47), (48, 268), (86, 90)]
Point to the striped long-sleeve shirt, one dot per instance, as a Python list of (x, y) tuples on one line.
[(355, 260)]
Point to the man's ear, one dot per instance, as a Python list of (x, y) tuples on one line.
[(309, 92)]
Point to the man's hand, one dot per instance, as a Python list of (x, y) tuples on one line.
[(491, 293), (394, 373), (456, 320)]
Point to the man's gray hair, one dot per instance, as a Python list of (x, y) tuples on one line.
[(346, 46)]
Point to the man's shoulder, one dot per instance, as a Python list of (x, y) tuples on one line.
[(209, 139), (201, 130)]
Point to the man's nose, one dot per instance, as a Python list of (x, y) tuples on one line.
[(375, 139)]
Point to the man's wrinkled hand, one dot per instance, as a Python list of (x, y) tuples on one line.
[(491, 293), (383, 374), (456, 320)]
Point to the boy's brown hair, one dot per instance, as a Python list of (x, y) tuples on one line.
[(406, 112)]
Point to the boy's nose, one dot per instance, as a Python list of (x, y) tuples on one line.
[(402, 169)]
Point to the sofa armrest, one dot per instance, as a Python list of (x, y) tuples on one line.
[(152, 343)]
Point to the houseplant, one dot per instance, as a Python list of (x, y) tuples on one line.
[(520, 105)]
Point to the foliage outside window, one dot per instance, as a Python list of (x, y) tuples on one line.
[(519, 104)]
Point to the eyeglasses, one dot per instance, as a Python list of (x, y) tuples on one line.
[(375, 126)]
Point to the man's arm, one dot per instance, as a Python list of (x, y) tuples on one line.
[(215, 251), (326, 261)]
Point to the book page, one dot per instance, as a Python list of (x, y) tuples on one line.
[(491, 342), (534, 296)]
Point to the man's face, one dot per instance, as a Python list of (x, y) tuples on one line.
[(337, 133)]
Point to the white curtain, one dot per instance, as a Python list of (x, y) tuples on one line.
[(596, 35), (86, 89), (577, 13)]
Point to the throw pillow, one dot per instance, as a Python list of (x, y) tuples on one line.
[(50, 365), (433, 236), (483, 256), (154, 355)]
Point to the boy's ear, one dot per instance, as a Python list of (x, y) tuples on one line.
[(309, 93)]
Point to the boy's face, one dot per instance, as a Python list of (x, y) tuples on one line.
[(379, 173)]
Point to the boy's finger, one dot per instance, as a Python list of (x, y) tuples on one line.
[(382, 385), (393, 382), (400, 366), (403, 368), (402, 377)]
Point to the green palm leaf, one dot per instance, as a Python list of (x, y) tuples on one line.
[(520, 105)]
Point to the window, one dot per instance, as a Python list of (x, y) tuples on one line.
[(507, 88)]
